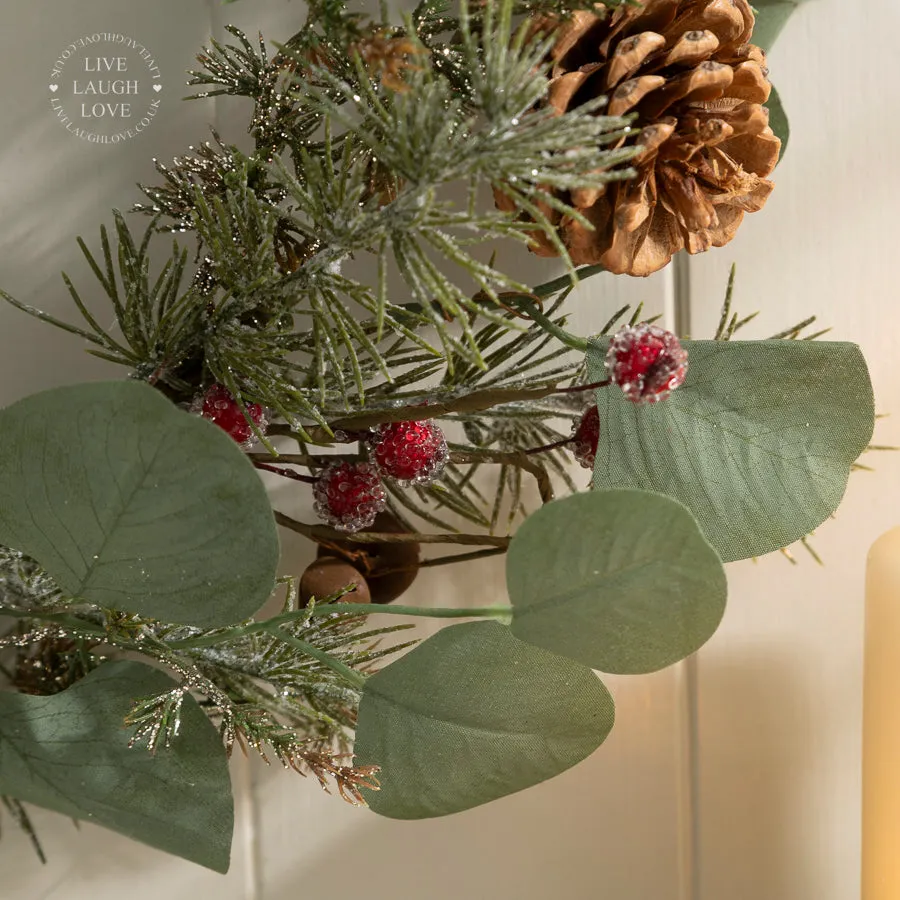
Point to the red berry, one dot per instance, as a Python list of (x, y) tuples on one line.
[(349, 495), (647, 362), (410, 452), (220, 407), (585, 437)]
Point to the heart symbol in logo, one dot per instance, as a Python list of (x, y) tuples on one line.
[(54, 88), (157, 88)]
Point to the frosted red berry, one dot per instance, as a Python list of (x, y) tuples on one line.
[(586, 436), (647, 362), (220, 407), (410, 452), (349, 495)]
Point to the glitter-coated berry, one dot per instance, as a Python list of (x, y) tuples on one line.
[(647, 362), (410, 452), (349, 495), (220, 407), (585, 437)]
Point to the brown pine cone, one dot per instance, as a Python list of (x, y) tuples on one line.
[(696, 85)]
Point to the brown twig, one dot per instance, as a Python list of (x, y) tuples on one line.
[(304, 459), (576, 389), (285, 473), (446, 560), (323, 533), (554, 446), (475, 401), (513, 458)]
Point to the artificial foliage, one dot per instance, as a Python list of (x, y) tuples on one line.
[(331, 313)]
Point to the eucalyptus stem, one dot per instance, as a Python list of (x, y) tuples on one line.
[(274, 624), (62, 619), (476, 612)]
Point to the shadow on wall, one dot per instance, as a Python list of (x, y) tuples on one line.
[(549, 841), (761, 750), (604, 830)]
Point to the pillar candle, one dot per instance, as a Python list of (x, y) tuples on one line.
[(881, 723)]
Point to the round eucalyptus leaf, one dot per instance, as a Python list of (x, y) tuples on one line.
[(130, 503), (778, 121), (622, 581), (473, 714), (771, 17), (70, 753), (757, 443)]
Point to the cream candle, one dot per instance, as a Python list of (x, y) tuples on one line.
[(881, 723)]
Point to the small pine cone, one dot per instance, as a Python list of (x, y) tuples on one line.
[(647, 362), (410, 452), (586, 436), (348, 495), (686, 69), (220, 407)]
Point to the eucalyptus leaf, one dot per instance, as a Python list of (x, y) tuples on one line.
[(129, 502), (69, 753), (757, 443), (771, 17), (473, 714), (778, 121), (622, 581)]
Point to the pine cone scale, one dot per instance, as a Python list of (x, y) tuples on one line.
[(750, 83), (693, 47), (708, 81), (630, 55), (731, 21), (695, 86), (563, 89), (630, 93)]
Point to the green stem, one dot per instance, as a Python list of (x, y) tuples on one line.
[(327, 609), (354, 678), (566, 337), (61, 619), (476, 612), (566, 281)]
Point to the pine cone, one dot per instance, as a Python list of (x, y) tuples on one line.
[(696, 85)]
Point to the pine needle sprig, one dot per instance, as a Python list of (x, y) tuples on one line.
[(24, 585), (19, 815), (248, 71), (157, 722)]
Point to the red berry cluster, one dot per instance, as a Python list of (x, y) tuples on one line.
[(647, 362), (349, 495), (410, 452), (585, 437), (218, 405)]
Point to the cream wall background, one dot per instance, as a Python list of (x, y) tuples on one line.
[(733, 776)]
